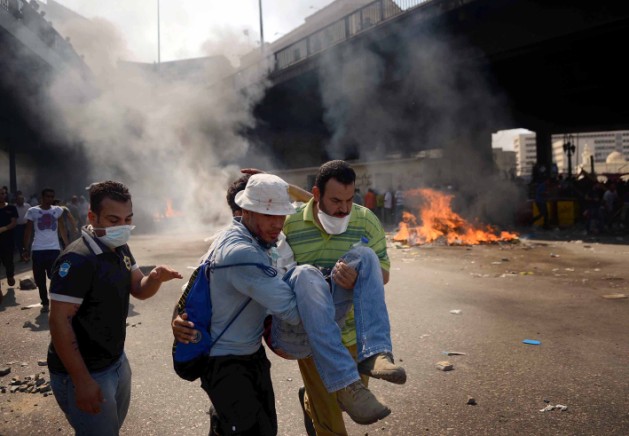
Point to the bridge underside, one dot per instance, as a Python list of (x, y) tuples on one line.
[(450, 80), (27, 128)]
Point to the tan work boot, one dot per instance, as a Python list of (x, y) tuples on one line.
[(360, 404), (381, 366)]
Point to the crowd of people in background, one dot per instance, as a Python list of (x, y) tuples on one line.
[(21, 239), (388, 205), (601, 206)]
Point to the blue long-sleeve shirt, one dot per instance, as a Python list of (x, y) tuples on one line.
[(231, 287)]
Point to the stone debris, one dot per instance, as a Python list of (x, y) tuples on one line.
[(5, 370), (31, 384), (42, 362), (471, 401), (615, 296), (27, 284), (550, 407), (444, 365), (455, 311)]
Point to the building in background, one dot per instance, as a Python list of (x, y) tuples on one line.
[(609, 150)]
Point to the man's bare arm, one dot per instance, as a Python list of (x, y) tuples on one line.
[(143, 287), (88, 393)]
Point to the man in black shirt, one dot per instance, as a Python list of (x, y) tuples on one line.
[(8, 220), (91, 284)]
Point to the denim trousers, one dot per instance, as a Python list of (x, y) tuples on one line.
[(115, 384), (323, 308)]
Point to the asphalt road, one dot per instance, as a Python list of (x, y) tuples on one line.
[(543, 289)]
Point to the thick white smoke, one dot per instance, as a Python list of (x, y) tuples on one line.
[(164, 130)]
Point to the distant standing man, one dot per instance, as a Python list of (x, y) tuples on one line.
[(46, 223), (73, 207), (388, 207), (370, 200), (84, 207), (93, 279), (22, 207), (399, 204), (8, 219)]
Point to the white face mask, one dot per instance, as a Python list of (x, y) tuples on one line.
[(115, 236), (331, 224)]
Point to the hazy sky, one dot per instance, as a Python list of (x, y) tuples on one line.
[(504, 138), (186, 25)]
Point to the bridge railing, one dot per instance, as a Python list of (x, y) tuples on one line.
[(24, 12), (346, 27)]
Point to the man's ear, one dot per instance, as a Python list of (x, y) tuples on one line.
[(316, 193), (91, 217)]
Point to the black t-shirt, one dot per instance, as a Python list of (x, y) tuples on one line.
[(7, 213), (89, 274)]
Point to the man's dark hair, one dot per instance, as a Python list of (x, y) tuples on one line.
[(237, 186), (113, 190), (46, 191), (338, 170)]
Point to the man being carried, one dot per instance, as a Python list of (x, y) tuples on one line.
[(319, 234)]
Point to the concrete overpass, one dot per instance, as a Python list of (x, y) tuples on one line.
[(551, 67), (31, 52)]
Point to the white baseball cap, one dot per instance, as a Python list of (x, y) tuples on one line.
[(267, 194)]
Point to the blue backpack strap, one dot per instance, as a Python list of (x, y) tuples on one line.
[(190, 360), (268, 270)]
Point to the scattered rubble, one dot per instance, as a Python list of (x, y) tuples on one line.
[(471, 401), (27, 284), (615, 296), (31, 384), (444, 365), (4, 371), (550, 407)]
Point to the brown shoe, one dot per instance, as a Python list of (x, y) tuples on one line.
[(381, 366), (360, 404)]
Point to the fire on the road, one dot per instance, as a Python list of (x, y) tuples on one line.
[(438, 220)]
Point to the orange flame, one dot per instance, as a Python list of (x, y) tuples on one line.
[(440, 221), (170, 212)]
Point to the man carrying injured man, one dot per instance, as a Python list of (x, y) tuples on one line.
[(305, 323)]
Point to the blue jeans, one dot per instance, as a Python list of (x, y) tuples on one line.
[(323, 314), (115, 384)]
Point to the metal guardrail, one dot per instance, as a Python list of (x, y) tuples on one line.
[(362, 19), (32, 19)]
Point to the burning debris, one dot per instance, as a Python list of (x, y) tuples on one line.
[(440, 222), (168, 212)]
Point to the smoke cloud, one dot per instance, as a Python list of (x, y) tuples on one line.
[(417, 93), (165, 130)]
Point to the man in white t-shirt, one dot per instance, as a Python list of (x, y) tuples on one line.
[(45, 223)]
